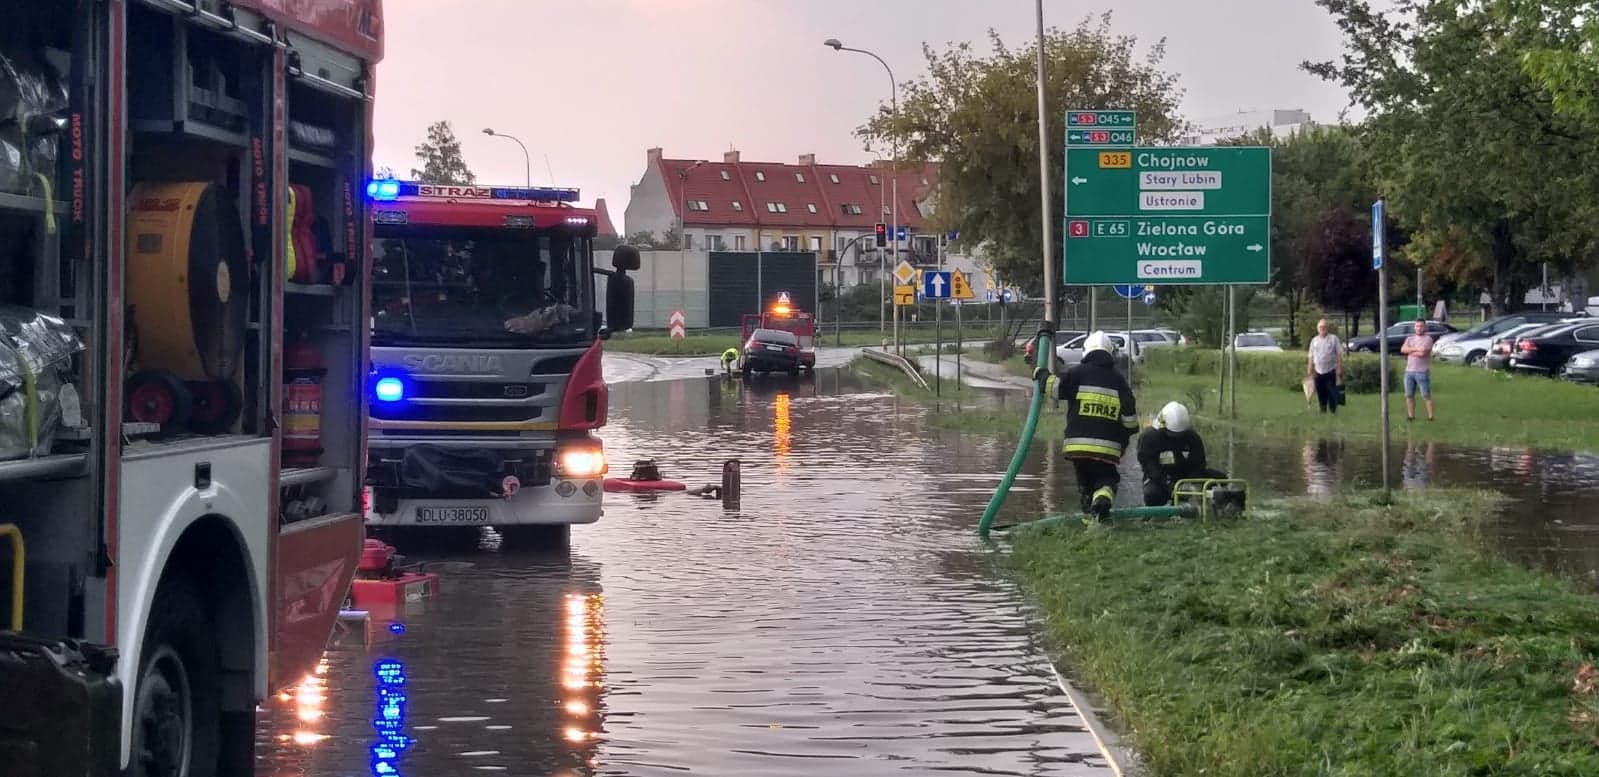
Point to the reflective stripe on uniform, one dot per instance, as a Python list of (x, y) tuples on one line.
[(1130, 421), (1094, 446)]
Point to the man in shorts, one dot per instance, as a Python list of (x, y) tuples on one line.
[(1418, 369)]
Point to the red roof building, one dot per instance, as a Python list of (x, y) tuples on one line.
[(735, 205), (605, 227)]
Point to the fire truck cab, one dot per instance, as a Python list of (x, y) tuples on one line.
[(783, 315), (178, 207), (486, 382)]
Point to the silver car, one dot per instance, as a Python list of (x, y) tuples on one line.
[(1069, 353), (1470, 346)]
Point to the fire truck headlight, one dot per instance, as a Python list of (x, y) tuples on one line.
[(580, 462), (389, 390)]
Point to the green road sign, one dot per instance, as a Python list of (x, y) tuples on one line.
[(1167, 250), (1102, 119), (1233, 181), (1099, 137), (1187, 215)]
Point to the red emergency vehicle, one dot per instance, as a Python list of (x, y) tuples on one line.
[(784, 316)]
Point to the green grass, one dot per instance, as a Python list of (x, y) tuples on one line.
[(699, 344), (1341, 638), (1474, 407)]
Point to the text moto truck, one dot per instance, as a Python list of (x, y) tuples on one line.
[(179, 211), (487, 380)]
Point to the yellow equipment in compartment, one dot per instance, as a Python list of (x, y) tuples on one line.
[(187, 285)]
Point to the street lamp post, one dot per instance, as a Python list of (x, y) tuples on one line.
[(893, 167), (527, 163)]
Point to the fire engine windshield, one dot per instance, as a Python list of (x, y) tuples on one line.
[(483, 288)]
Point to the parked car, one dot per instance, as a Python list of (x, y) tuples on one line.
[(1470, 346), (1028, 355), (1548, 351), (772, 350), (1396, 335), (1502, 354), (1069, 353), (1155, 338), (1582, 367), (1256, 341)]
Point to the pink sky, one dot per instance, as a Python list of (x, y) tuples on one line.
[(593, 83)]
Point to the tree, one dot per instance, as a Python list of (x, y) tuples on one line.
[(441, 158), (647, 239), (1468, 148), (978, 117)]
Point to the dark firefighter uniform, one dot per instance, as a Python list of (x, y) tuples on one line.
[(1167, 457), (1101, 417)]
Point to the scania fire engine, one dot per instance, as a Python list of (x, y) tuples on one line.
[(486, 374), (179, 207)]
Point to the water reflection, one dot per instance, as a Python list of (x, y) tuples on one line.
[(389, 720)]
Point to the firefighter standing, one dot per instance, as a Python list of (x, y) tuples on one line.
[(1169, 452), (1101, 417)]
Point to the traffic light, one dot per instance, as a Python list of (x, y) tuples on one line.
[(882, 234)]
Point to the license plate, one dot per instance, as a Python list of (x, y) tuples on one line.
[(774, 347), (452, 515)]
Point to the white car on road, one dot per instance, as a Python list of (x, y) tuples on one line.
[(1069, 353), (1255, 341)]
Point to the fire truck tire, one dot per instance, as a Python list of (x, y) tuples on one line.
[(176, 705), (534, 537), (216, 404), (158, 397)]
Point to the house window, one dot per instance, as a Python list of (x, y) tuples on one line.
[(738, 242), (700, 206), (799, 178), (738, 207), (926, 245), (816, 244), (760, 176), (833, 177), (851, 209), (791, 242), (810, 206), (726, 176), (887, 210), (714, 243), (874, 180), (776, 207), (841, 244), (688, 241), (924, 180)]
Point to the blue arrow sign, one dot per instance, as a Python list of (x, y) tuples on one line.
[(1378, 209), (1149, 298), (1129, 291), (1009, 295), (900, 233), (936, 285)]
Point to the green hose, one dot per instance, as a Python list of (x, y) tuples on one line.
[(1041, 351)]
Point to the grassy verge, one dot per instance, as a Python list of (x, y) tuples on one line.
[(1325, 639), (961, 408), (1475, 407), (700, 344)]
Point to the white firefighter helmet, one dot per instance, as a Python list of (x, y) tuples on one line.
[(1173, 417), (1099, 341)]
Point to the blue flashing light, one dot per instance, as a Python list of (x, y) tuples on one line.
[(383, 190), (389, 390), (396, 628)]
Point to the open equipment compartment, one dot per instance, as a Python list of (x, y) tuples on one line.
[(323, 416)]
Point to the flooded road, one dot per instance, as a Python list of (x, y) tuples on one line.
[(844, 621)]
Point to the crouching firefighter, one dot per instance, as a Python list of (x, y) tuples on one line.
[(1169, 452), (1101, 417), (729, 356)]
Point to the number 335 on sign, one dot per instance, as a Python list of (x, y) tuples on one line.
[(1115, 159)]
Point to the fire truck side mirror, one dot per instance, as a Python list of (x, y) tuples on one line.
[(626, 259), (619, 301)]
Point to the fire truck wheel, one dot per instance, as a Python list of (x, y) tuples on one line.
[(176, 703), (217, 404), (158, 397)]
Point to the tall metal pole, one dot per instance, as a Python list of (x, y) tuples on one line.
[(527, 163), (1232, 351), (1051, 285), (1378, 252)]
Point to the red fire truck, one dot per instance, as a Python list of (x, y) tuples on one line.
[(783, 315), (179, 215)]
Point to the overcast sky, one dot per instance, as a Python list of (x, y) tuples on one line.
[(593, 83)]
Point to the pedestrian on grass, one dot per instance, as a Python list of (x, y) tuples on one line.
[(1101, 417), (1325, 365), (1418, 369)]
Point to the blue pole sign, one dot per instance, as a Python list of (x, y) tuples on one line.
[(1129, 291), (1378, 211)]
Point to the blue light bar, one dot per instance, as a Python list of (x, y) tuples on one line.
[(388, 190), (389, 390), (383, 190)]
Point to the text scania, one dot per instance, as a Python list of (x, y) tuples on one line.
[(1167, 161), (436, 362), (1166, 228)]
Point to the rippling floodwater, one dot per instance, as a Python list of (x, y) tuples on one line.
[(845, 621)]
